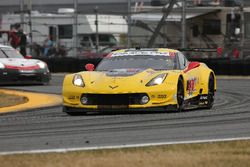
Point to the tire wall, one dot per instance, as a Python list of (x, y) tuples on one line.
[(227, 66)]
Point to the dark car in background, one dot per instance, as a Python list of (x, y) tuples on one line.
[(16, 69)]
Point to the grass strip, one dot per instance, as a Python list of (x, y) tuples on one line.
[(220, 154), (7, 100)]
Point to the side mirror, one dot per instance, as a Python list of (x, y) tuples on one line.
[(90, 67), (192, 65), (28, 57)]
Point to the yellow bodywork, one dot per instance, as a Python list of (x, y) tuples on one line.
[(159, 95), (97, 82)]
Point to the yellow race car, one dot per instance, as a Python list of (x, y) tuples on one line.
[(140, 80)]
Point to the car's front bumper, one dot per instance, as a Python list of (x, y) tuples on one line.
[(119, 110), (11, 76), (120, 100)]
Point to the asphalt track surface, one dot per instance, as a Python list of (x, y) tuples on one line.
[(44, 129)]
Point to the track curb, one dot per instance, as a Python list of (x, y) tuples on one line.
[(35, 100)]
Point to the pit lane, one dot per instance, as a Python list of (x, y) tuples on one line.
[(45, 129)]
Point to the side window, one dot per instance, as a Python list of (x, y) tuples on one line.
[(2, 55), (182, 60), (185, 61)]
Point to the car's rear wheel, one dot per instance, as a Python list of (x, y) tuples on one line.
[(210, 95), (180, 95)]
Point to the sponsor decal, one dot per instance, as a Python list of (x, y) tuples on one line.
[(26, 71), (113, 87), (203, 103), (162, 96), (203, 100), (203, 97), (73, 97), (191, 85), (133, 53), (123, 72)]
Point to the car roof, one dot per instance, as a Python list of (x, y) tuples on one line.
[(144, 51)]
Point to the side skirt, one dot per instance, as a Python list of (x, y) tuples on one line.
[(196, 102)]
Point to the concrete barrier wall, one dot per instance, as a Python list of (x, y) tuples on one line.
[(221, 66), (226, 66)]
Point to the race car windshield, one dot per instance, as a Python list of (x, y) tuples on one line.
[(11, 53), (137, 62)]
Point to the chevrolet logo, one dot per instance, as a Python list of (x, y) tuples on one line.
[(113, 87)]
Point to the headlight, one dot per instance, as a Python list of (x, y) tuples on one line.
[(2, 66), (41, 64), (78, 81), (157, 80)]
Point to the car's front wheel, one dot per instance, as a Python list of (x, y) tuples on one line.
[(180, 95)]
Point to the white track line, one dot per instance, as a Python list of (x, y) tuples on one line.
[(63, 150)]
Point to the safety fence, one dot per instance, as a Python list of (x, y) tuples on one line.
[(221, 66)]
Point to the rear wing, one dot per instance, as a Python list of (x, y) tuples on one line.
[(198, 49), (203, 52)]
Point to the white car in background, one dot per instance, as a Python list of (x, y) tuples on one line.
[(16, 69)]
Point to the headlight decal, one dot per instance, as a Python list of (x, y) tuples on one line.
[(78, 81), (2, 66), (157, 80), (41, 64)]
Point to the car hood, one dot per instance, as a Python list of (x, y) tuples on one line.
[(114, 81), (19, 62)]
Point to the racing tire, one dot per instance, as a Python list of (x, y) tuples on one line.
[(210, 94), (180, 95)]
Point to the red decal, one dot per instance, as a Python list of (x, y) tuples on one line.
[(191, 84), (22, 68), (191, 66)]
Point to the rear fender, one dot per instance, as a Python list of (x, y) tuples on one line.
[(205, 74)]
